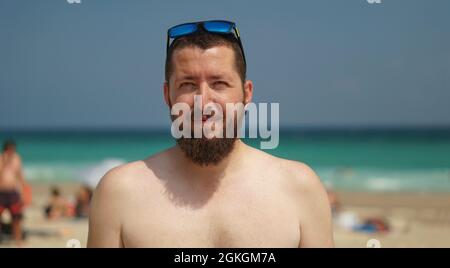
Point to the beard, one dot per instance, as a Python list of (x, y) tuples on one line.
[(204, 151), (207, 151)]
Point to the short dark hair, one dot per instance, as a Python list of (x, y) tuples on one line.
[(205, 40), (8, 143)]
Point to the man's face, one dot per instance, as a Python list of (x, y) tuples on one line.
[(9, 150), (211, 73)]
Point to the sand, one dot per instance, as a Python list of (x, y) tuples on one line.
[(415, 220), (44, 233)]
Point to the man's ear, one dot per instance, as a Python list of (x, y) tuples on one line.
[(248, 91), (166, 94)]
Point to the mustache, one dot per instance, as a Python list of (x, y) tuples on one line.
[(216, 121)]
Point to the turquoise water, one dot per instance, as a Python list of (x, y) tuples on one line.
[(354, 161)]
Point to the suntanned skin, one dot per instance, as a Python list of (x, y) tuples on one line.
[(249, 199), (12, 179), (11, 175)]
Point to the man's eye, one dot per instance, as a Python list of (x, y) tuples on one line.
[(187, 85), (220, 84)]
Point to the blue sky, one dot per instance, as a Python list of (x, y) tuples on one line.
[(332, 63)]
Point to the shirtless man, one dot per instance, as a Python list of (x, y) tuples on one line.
[(11, 185), (209, 192)]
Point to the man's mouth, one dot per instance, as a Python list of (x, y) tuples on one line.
[(205, 117)]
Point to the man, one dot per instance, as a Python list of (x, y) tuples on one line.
[(11, 185), (209, 192)]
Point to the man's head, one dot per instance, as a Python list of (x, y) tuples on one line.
[(9, 146), (211, 65), (204, 40)]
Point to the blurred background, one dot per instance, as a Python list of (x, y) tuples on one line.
[(363, 88)]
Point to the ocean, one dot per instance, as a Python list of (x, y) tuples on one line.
[(347, 160)]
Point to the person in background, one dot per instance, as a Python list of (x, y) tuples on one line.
[(11, 184), (334, 202), (83, 202), (57, 206)]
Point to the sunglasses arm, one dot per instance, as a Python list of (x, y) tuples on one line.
[(168, 41)]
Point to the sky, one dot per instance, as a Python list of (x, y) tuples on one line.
[(328, 63)]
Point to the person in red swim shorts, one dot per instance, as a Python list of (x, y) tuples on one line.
[(11, 184)]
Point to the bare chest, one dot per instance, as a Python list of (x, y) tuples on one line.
[(251, 219)]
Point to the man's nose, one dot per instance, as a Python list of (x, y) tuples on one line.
[(205, 92)]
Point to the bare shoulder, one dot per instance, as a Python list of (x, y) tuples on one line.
[(296, 175), (302, 177), (120, 189), (17, 157), (119, 178), (305, 188), (17, 160), (130, 179)]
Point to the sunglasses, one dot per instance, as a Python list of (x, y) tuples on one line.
[(212, 26)]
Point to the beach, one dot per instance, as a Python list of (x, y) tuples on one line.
[(400, 179), (415, 220), (358, 92), (44, 233)]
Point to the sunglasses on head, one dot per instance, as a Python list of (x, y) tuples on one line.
[(212, 26)]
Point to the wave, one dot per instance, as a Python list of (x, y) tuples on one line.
[(89, 172), (339, 178), (386, 180)]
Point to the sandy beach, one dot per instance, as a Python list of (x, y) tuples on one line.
[(415, 220), (42, 232)]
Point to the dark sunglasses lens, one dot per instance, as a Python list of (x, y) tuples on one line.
[(218, 26), (181, 30)]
